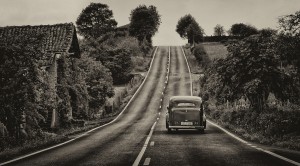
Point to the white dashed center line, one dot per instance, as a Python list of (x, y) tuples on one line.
[(139, 157), (147, 161), (152, 143)]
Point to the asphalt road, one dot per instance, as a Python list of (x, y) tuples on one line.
[(122, 141), (189, 147)]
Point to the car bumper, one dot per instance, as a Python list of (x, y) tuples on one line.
[(186, 127)]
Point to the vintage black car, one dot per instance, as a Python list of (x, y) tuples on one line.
[(185, 112)]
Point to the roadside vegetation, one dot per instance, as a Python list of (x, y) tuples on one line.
[(253, 87), (107, 75)]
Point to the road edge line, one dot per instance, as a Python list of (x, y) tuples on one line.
[(191, 79), (256, 147), (71, 140)]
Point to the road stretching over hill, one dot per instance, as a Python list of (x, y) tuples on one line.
[(188, 147), (139, 136)]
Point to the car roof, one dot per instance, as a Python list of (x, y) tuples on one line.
[(185, 98)]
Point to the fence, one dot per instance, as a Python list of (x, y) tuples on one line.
[(121, 99)]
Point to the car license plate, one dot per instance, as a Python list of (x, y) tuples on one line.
[(186, 123)]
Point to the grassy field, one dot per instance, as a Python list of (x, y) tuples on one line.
[(215, 50), (195, 68)]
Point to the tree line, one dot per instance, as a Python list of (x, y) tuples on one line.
[(188, 28), (98, 27)]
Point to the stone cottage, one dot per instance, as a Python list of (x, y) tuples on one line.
[(60, 51)]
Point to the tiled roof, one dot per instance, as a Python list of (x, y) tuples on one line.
[(56, 38)]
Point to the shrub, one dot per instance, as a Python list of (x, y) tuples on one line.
[(119, 62), (98, 81), (201, 55), (279, 123), (269, 123)]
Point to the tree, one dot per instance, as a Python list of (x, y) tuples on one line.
[(183, 24), (144, 22), (267, 32), (251, 69), (219, 30), (290, 33), (194, 33), (290, 24), (95, 20), (288, 47), (118, 61), (98, 81), (242, 30), (188, 28)]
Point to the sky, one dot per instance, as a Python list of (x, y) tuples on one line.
[(208, 13)]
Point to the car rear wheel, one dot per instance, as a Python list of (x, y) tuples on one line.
[(167, 126), (201, 131), (169, 130)]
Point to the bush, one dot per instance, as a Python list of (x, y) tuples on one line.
[(119, 62), (141, 64), (269, 123), (98, 81), (201, 55), (279, 123)]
